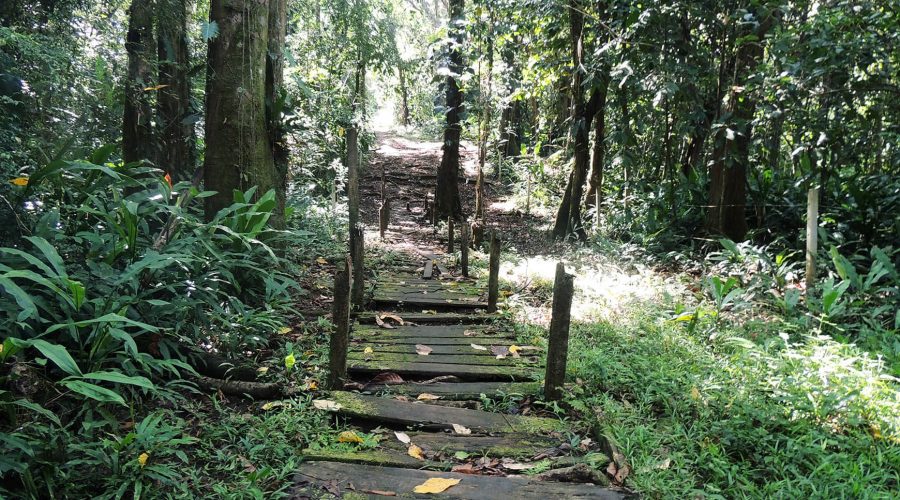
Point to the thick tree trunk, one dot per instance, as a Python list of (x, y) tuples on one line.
[(277, 22), (176, 137), (238, 151), (568, 217), (137, 131), (446, 197), (728, 171)]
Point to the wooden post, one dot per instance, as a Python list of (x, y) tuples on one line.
[(340, 336), (357, 254), (464, 249), (353, 176), (384, 216), (558, 345), (494, 273), (450, 235), (812, 236)]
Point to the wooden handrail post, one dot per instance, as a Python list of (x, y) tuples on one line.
[(357, 255), (450, 235), (464, 249), (340, 335), (494, 273), (384, 217), (558, 346)]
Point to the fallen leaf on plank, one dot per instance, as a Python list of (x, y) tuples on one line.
[(514, 350), (479, 347), (326, 404), (427, 397), (368, 350), (469, 333), (393, 317), (382, 493), (436, 485), (516, 466), (423, 350), (386, 378), (459, 429), (349, 437), (415, 452), (402, 437), (464, 469)]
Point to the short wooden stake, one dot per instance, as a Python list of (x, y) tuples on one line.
[(464, 249), (494, 273), (384, 216), (357, 253), (450, 235), (558, 346), (340, 336)]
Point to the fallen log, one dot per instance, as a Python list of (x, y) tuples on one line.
[(256, 390)]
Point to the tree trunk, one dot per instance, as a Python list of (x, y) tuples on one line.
[(485, 126), (568, 217), (137, 131), (177, 153), (728, 171), (404, 95), (599, 157), (277, 24), (238, 151), (446, 196)]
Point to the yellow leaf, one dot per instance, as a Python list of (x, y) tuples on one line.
[(156, 87), (273, 404), (514, 349), (312, 386), (262, 369), (142, 459), (459, 429), (427, 397), (368, 350), (695, 394), (349, 437), (436, 485), (289, 361), (285, 330), (415, 452), (19, 181), (321, 260)]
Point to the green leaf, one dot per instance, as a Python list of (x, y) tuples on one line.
[(23, 300), (209, 30), (106, 318), (58, 354), (120, 378), (50, 254), (77, 290), (94, 392)]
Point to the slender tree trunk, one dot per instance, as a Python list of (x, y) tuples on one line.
[(277, 25), (485, 126), (177, 154), (728, 171), (446, 196), (568, 217), (599, 156), (404, 94), (238, 150), (137, 128)]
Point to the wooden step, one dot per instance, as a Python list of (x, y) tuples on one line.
[(429, 318), (518, 446), (428, 416), (432, 341), (431, 370), (461, 390), (432, 331), (315, 478), (448, 359), (436, 301), (466, 349)]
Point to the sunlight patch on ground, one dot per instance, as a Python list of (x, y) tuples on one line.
[(604, 291)]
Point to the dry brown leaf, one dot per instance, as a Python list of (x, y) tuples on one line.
[(458, 429), (479, 347), (380, 322), (394, 317), (382, 493), (436, 485), (415, 452), (427, 397), (517, 466), (386, 378), (466, 468), (402, 437), (423, 350)]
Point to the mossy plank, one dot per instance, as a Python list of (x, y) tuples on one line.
[(432, 330), (449, 359), (431, 370), (405, 413), (520, 446), (429, 318), (431, 341), (393, 456), (461, 390), (384, 347), (350, 478), (430, 301)]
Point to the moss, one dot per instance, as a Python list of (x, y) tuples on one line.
[(352, 404), (379, 458)]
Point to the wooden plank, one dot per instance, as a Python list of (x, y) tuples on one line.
[(390, 457), (312, 477), (429, 301), (461, 390), (434, 331), (428, 416), (423, 318), (429, 269), (465, 349), (520, 446), (449, 359), (431, 370), (432, 341)]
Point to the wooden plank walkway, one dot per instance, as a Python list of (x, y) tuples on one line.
[(438, 390)]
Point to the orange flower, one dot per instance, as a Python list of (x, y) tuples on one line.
[(169, 180)]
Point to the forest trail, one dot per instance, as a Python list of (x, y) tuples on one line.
[(430, 363)]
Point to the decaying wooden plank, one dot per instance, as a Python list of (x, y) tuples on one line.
[(461, 390), (432, 341), (520, 446), (430, 370), (429, 269), (435, 331), (366, 479), (425, 318), (392, 411), (449, 359)]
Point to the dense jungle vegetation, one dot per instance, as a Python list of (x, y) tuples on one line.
[(723, 177)]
